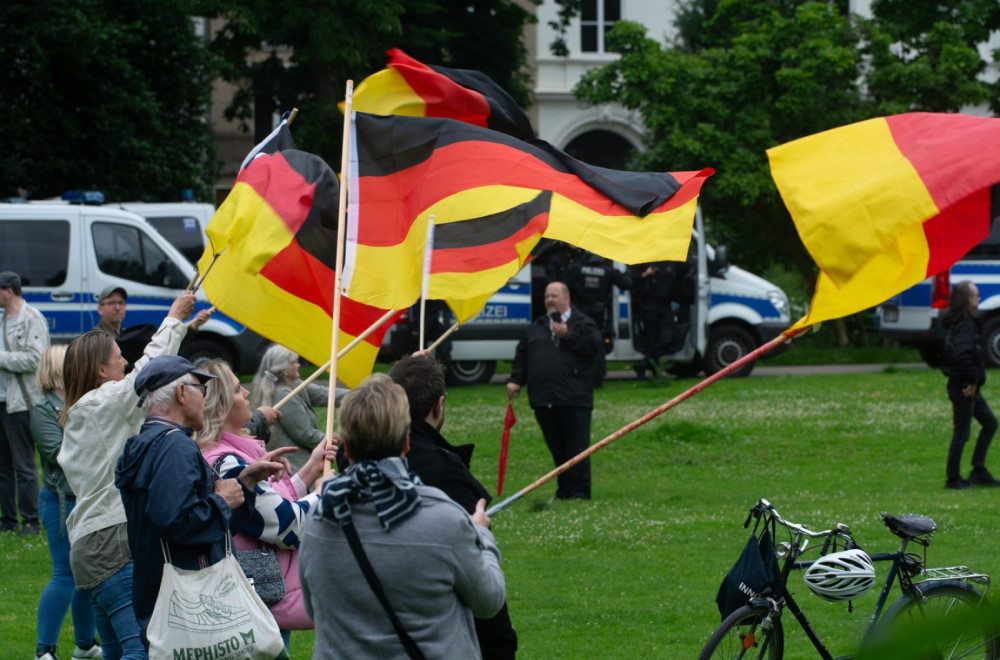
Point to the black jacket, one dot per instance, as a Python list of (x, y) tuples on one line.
[(563, 373), (445, 466), (963, 359)]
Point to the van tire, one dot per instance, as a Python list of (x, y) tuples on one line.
[(727, 344), (469, 372), (206, 348), (991, 341)]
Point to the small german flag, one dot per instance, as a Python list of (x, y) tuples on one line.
[(277, 233), (884, 203), (492, 197), (408, 87)]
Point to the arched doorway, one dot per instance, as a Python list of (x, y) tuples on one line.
[(601, 148)]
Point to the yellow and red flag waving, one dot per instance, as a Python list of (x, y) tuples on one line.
[(408, 87), (492, 198), (887, 202), (277, 233)]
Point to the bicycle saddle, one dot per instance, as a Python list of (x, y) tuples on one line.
[(909, 526)]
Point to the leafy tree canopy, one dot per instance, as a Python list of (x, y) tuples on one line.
[(107, 95), (311, 48), (746, 75)]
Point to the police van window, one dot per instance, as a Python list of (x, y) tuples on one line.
[(126, 252), (37, 250), (183, 233)]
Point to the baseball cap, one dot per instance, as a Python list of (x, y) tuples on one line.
[(9, 279), (109, 290), (163, 370)]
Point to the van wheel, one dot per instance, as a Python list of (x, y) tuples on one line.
[(470, 372), (206, 348), (991, 339), (727, 344)]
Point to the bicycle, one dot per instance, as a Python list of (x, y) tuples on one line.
[(929, 595)]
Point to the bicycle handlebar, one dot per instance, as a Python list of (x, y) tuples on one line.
[(763, 506)]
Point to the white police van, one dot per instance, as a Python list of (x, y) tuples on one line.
[(66, 253), (734, 312), (913, 316)]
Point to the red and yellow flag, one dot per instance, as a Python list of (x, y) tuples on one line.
[(884, 203), (410, 88), (277, 234), (492, 198)]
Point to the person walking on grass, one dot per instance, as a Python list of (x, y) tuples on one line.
[(963, 361)]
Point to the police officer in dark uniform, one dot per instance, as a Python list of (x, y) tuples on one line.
[(591, 280)]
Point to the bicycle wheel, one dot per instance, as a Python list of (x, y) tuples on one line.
[(740, 636), (949, 620)]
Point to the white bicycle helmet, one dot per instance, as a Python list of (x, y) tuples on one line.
[(841, 575)]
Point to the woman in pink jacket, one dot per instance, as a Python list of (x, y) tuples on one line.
[(282, 505)]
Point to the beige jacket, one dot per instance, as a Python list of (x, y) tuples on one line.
[(27, 337), (96, 430)]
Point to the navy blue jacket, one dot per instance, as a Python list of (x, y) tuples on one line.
[(169, 494)]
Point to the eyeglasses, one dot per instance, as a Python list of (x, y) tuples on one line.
[(114, 303), (201, 386)]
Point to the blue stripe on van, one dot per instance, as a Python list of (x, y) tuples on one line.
[(762, 306)]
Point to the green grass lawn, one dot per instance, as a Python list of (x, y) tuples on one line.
[(634, 572)]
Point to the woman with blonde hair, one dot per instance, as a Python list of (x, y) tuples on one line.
[(55, 501), (277, 376), (281, 506)]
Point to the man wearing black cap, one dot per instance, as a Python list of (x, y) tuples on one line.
[(24, 336), (111, 308), (170, 493)]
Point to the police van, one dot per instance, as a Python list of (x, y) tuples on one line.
[(913, 316), (733, 313), (66, 253)]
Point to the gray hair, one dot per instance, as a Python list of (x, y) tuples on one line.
[(266, 381), (158, 401)]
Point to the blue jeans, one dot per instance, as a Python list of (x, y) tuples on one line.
[(61, 591), (120, 634)]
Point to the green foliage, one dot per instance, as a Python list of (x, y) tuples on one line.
[(301, 55), (104, 95), (747, 75), (634, 572)]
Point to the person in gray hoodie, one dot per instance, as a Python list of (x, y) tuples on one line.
[(438, 566)]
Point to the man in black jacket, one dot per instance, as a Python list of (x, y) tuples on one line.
[(557, 358), (446, 466)]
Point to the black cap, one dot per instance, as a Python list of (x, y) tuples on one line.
[(163, 370), (9, 279), (109, 290)]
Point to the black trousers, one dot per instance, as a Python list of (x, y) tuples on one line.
[(964, 409), (18, 474), (567, 433)]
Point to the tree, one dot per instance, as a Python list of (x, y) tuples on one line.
[(108, 95), (746, 75), (308, 50)]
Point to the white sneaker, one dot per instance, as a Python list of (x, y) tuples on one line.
[(47, 656), (93, 652)]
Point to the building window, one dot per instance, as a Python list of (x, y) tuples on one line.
[(596, 18)]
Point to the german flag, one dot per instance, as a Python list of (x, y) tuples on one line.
[(884, 203), (410, 88), (492, 198), (277, 231)]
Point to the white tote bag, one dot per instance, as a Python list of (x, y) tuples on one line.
[(211, 613)]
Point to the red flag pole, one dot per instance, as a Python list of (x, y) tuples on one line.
[(339, 264), (683, 396)]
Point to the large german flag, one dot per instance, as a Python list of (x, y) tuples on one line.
[(408, 87), (885, 203), (277, 233), (492, 198)]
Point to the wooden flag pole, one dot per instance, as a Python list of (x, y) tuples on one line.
[(749, 357), (344, 351), (339, 264), (425, 280), (447, 333)]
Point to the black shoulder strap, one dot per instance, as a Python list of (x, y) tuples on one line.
[(354, 540)]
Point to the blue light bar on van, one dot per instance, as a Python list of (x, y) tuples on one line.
[(88, 197)]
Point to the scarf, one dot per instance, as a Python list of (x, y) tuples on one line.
[(388, 482)]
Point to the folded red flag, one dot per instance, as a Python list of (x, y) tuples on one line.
[(508, 421)]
